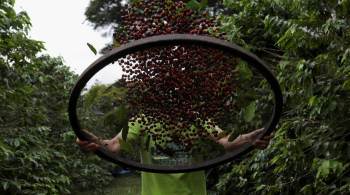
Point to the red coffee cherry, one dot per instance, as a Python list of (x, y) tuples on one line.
[(176, 86)]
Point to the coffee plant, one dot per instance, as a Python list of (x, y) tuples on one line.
[(306, 43), (37, 150)]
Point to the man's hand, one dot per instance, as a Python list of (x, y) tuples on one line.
[(87, 146), (92, 146), (244, 139), (261, 143)]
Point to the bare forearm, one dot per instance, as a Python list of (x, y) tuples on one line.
[(251, 138), (94, 143), (113, 144), (229, 146)]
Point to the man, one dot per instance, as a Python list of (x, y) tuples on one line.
[(192, 183)]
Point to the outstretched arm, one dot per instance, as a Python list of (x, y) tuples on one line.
[(113, 145), (244, 139)]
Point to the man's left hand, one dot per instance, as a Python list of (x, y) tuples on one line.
[(261, 143)]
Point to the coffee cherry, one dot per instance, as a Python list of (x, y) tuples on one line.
[(175, 86)]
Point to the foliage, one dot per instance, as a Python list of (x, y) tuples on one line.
[(92, 48), (306, 44), (107, 13), (102, 13), (102, 108), (37, 155)]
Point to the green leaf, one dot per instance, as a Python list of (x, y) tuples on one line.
[(125, 131), (12, 2), (16, 143), (92, 48), (260, 187), (313, 101), (346, 56), (307, 189), (249, 112), (194, 4), (122, 114), (41, 79), (346, 85), (332, 106), (117, 129), (69, 136), (16, 184), (323, 170), (5, 185), (275, 159), (245, 71), (148, 140)]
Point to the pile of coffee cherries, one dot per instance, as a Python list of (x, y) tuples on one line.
[(178, 92)]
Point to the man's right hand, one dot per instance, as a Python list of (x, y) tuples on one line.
[(96, 143), (87, 146)]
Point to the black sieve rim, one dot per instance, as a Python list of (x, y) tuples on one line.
[(163, 40)]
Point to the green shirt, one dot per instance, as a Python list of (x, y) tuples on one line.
[(192, 183)]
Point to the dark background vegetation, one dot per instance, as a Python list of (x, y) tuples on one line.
[(305, 43)]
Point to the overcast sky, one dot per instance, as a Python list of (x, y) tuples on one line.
[(61, 24)]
